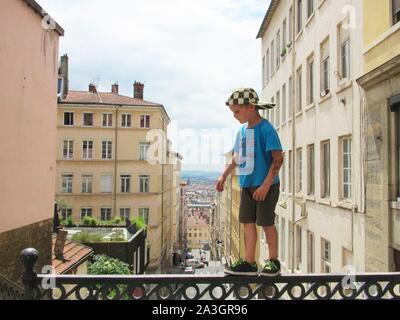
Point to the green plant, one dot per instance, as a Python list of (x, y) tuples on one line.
[(70, 222), (102, 264), (90, 221), (140, 223), (87, 237)]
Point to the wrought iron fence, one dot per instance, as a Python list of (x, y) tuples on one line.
[(10, 290), (187, 287)]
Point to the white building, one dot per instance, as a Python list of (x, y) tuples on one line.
[(311, 56)]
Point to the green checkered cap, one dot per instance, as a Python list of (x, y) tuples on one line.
[(245, 96)]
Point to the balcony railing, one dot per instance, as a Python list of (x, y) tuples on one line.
[(185, 287)]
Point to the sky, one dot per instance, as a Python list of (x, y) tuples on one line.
[(189, 54)]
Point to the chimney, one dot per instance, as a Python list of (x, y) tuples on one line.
[(138, 90), (60, 243), (92, 88), (114, 88), (64, 74)]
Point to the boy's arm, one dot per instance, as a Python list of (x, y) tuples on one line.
[(277, 161), (229, 168)]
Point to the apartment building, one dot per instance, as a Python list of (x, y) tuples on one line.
[(28, 99), (311, 56), (381, 95), (104, 164), (198, 232)]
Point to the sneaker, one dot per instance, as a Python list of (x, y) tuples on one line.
[(242, 268), (272, 268)]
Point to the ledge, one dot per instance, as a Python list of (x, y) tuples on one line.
[(345, 85), (299, 34), (395, 205), (310, 198), (309, 107), (327, 202), (327, 97), (321, 2), (298, 114), (310, 18), (345, 205)]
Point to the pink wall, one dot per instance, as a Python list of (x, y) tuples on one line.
[(28, 104)]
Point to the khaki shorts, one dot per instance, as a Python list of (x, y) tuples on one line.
[(260, 212)]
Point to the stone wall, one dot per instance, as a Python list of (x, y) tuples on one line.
[(37, 235)]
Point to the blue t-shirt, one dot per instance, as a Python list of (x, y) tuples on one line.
[(253, 147)]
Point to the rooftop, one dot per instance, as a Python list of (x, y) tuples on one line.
[(74, 253)]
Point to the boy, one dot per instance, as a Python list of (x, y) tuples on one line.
[(258, 154)]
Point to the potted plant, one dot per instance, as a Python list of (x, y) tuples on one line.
[(283, 53)]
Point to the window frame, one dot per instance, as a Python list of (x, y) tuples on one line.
[(69, 150), (126, 183), (88, 155), (83, 119), (73, 118), (107, 118), (325, 170), (107, 151)]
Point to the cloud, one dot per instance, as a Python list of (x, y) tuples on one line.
[(190, 54)]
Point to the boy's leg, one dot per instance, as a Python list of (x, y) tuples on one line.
[(272, 240), (250, 242)]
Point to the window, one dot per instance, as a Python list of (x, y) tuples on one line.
[(311, 170), (263, 76), (290, 171), (299, 90), (87, 149), (105, 214), (284, 37), (87, 184), (310, 81), (144, 121), (278, 110), (325, 256), (283, 240), (68, 118), (272, 58), (126, 120), (87, 119), (290, 25), (396, 11), (267, 67), (144, 184), (86, 212), (310, 8), (278, 48), (299, 170), (298, 247), (345, 58), (106, 183), (107, 119), (299, 15), (310, 253), (67, 183), (290, 115), (106, 152), (346, 167), (144, 214), (283, 172), (125, 183), (144, 148), (326, 170), (397, 115), (284, 103), (325, 68), (68, 149), (66, 213)]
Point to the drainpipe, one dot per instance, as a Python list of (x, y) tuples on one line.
[(294, 11), (115, 160)]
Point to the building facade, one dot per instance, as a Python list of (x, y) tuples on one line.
[(311, 57), (112, 162), (381, 96), (28, 95)]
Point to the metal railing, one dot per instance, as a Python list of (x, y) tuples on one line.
[(10, 290), (187, 287)]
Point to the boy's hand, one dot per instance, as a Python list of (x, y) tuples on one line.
[(220, 184), (261, 193)]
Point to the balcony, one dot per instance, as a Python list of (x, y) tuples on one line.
[(187, 287)]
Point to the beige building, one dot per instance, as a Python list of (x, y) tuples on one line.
[(103, 168), (381, 85), (28, 99), (198, 232), (311, 56)]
